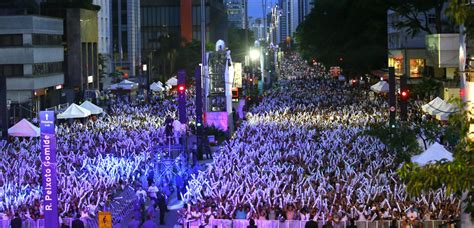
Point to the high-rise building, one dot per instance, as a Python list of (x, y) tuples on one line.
[(81, 45), (274, 27), (293, 12), (104, 41), (126, 36), (168, 23), (236, 13), (31, 61), (258, 28)]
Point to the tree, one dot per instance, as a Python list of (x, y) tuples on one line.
[(236, 43), (456, 176), (461, 13), (416, 16), (402, 140), (189, 57), (352, 34)]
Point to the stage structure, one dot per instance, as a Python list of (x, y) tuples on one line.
[(218, 84)]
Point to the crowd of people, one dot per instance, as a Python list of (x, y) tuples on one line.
[(97, 158), (302, 155)]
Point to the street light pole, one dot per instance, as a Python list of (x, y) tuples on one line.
[(200, 102)]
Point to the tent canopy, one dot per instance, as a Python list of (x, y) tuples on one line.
[(435, 152), (125, 84), (439, 108), (380, 87), (74, 111), (24, 129), (178, 126), (94, 109), (155, 87), (172, 81)]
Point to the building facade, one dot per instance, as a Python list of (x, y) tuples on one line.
[(31, 60), (236, 13), (166, 25), (104, 41), (80, 46), (406, 53), (293, 12), (126, 37), (422, 54), (274, 28)]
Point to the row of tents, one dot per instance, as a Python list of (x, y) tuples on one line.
[(155, 86), (26, 129), (437, 107)]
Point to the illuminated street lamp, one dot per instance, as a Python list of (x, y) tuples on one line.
[(254, 54)]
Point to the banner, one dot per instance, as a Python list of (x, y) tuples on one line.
[(237, 75), (48, 167), (217, 119)]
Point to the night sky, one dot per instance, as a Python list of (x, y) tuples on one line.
[(255, 7)]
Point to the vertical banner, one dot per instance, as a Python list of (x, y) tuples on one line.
[(48, 167), (237, 75)]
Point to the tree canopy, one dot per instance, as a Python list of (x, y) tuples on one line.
[(421, 15), (352, 34), (236, 43)]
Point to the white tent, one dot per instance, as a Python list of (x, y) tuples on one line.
[(94, 109), (439, 108), (155, 87), (74, 111), (435, 152), (380, 87), (172, 81), (432, 106), (179, 127), (125, 84), (24, 129)]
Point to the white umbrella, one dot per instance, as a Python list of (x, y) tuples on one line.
[(24, 129), (380, 87), (94, 109), (74, 111), (435, 152)]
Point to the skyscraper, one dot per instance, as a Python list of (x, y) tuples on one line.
[(293, 12), (104, 40), (236, 13), (81, 41), (126, 36)]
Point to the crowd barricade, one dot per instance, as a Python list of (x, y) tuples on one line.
[(121, 206), (243, 223)]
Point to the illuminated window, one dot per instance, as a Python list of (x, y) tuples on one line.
[(396, 63), (417, 66)]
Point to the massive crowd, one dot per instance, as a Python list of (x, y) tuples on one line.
[(302, 155), (97, 158)]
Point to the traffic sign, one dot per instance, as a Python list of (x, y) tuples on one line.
[(105, 220), (392, 109)]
